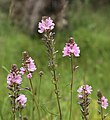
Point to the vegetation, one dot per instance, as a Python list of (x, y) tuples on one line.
[(91, 30)]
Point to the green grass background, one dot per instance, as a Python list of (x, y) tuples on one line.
[(91, 30)]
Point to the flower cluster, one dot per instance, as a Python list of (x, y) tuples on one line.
[(28, 65), (103, 104), (102, 100), (84, 101), (45, 27), (21, 100), (46, 24), (14, 81), (71, 48), (85, 89), (14, 77)]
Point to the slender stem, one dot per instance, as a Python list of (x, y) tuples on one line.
[(21, 117), (51, 52), (102, 118), (85, 97), (57, 94), (32, 98), (71, 87), (34, 101), (39, 88), (14, 111), (31, 85), (56, 85), (85, 102)]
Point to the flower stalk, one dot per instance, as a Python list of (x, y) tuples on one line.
[(71, 87), (45, 26), (20, 116), (29, 67), (14, 103), (40, 80), (103, 103), (14, 80), (52, 66), (102, 116), (72, 50), (84, 100)]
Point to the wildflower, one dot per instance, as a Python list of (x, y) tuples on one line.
[(30, 64), (80, 89), (71, 48), (29, 75), (22, 70), (14, 81), (45, 25), (80, 96), (84, 100), (21, 100), (104, 102), (86, 88), (14, 77)]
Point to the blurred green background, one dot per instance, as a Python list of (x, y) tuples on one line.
[(89, 24)]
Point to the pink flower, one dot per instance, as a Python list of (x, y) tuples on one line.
[(22, 70), (80, 89), (104, 102), (14, 79), (45, 24), (30, 64), (71, 48), (88, 89), (21, 100), (80, 96), (10, 77), (29, 75), (66, 51), (76, 50), (84, 89)]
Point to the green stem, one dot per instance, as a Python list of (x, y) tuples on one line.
[(71, 87), (14, 111), (21, 117), (85, 97), (57, 94), (102, 118), (32, 98), (50, 44), (34, 101), (39, 88)]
